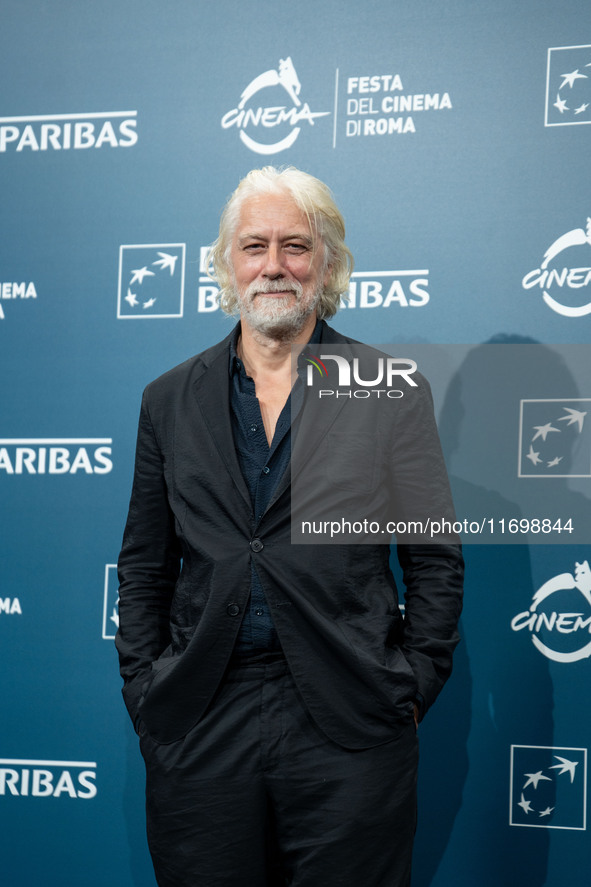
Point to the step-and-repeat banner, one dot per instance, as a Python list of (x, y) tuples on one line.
[(456, 138)]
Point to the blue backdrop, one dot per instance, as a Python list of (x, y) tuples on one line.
[(456, 138)]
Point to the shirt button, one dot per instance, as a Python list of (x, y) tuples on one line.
[(232, 609), (254, 428), (256, 545), (266, 469), (259, 611)]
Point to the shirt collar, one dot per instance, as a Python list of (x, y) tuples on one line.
[(235, 364)]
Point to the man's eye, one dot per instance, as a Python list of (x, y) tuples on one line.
[(253, 247), (296, 247)]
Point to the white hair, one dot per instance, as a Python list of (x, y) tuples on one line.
[(315, 200)]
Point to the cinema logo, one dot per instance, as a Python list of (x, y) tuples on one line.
[(564, 277), (379, 105), (266, 123), (56, 455), (10, 606), (65, 132), (11, 290), (47, 779), (559, 618), (352, 375)]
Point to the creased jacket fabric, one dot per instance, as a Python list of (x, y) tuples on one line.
[(184, 573)]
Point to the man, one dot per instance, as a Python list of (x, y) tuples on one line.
[(274, 686)]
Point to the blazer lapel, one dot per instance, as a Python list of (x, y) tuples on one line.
[(212, 393), (315, 418)]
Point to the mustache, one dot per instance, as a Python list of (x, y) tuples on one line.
[(274, 286)]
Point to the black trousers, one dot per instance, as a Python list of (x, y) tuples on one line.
[(256, 796)]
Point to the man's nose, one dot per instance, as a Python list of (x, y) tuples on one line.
[(273, 267)]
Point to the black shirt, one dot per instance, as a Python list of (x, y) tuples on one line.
[(262, 467)]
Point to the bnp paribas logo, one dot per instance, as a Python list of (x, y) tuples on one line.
[(39, 133), (548, 787), (555, 437), (151, 280), (568, 86), (270, 114)]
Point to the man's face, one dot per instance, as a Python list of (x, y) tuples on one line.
[(278, 265)]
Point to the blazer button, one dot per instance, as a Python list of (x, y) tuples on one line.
[(232, 609), (256, 545)]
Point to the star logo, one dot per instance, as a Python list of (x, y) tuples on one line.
[(151, 280), (166, 261), (555, 438), (543, 430), (110, 602), (534, 779), (574, 417), (570, 78), (525, 805), (565, 766), (139, 274), (568, 86), (548, 794)]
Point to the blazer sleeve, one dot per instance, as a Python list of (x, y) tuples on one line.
[(433, 576), (148, 567), (433, 569)]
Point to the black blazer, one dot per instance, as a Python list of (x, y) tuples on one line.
[(184, 571)]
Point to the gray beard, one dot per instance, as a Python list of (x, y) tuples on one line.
[(280, 319)]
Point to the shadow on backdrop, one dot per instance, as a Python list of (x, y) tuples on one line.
[(501, 693)]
